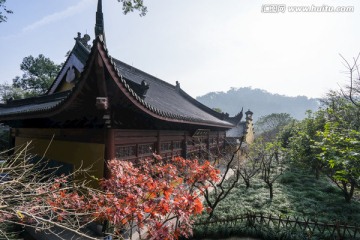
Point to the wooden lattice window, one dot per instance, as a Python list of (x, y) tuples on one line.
[(125, 151), (165, 146), (176, 145), (146, 149)]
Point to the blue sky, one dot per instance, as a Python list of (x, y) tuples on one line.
[(206, 45)]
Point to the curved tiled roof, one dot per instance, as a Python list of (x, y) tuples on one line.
[(33, 105), (162, 99), (238, 131)]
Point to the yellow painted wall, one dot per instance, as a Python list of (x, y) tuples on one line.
[(250, 133), (76, 153), (64, 86)]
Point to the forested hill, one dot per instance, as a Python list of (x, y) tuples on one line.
[(259, 101)]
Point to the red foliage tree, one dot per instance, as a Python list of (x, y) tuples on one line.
[(156, 198)]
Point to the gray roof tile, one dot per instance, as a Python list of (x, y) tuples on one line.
[(35, 104), (164, 98)]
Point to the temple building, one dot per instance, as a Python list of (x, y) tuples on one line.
[(242, 130), (100, 108)]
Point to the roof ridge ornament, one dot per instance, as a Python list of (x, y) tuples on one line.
[(99, 25), (84, 40), (177, 86), (249, 114)]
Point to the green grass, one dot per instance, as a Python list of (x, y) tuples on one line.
[(297, 193)]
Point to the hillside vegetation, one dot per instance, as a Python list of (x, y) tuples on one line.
[(259, 101)]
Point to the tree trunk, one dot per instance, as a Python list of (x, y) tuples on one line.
[(348, 194), (347, 197), (317, 173), (211, 214), (270, 185), (247, 182)]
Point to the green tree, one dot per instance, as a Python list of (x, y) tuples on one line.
[(38, 74), (301, 144), (4, 11), (270, 125), (272, 162), (131, 5), (251, 165), (340, 150), (8, 92), (286, 133), (342, 110), (328, 141)]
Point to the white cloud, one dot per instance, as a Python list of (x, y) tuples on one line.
[(70, 11)]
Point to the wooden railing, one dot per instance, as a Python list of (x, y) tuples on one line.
[(279, 227)]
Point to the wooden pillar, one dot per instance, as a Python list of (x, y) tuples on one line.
[(184, 146), (12, 137), (109, 149), (208, 146), (158, 145)]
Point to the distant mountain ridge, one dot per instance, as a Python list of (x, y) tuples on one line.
[(259, 101)]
